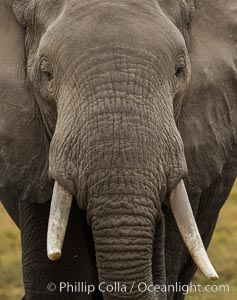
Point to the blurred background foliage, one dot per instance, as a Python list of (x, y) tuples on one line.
[(223, 253)]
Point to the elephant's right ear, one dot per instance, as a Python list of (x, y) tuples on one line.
[(23, 142)]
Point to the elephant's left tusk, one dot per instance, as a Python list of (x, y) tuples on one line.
[(58, 219), (183, 215)]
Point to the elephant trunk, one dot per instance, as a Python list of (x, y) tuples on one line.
[(123, 230)]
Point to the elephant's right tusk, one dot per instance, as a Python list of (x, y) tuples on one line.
[(58, 219), (183, 215)]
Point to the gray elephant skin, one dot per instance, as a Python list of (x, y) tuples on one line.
[(117, 101)]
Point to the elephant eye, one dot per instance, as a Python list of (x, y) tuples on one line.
[(180, 68), (46, 71), (179, 72), (46, 79), (47, 75)]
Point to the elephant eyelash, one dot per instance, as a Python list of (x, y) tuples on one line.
[(46, 71)]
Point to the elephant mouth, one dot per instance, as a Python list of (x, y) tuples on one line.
[(181, 209)]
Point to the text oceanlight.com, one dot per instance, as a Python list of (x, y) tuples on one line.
[(142, 287)]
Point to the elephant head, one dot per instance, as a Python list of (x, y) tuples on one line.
[(92, 92)]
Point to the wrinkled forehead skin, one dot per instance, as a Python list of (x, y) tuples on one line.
[(147, 25), (46, 12), (175, 8)]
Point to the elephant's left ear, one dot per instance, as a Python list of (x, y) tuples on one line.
[(23, 142), (208, 122)]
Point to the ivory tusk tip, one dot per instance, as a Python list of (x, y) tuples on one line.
[(185, 220), (54, 254), (214, 277)]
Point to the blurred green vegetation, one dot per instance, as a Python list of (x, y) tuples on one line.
[(223, 253), (10, 259)]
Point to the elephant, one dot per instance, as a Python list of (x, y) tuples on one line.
[(123, 112)]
